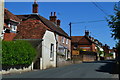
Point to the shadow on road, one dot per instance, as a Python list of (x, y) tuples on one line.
[(102, 61), (110, 66)]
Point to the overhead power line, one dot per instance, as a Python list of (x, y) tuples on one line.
[(87, 21), (100, 8)]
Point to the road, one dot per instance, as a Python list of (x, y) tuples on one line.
[(98, 69)]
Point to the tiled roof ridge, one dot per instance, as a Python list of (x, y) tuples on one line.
[(64, 33), (10, 16), (48, 23), (34, 31)]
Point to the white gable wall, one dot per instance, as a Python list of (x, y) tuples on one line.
[(48, 39), (1, 16)]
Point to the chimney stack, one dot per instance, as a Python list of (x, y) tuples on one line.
[(86, 33), (53, 17), (58, 22), (35, 7)]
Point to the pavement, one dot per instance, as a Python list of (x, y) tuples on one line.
[(97, 69)]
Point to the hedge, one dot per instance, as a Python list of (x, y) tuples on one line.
[(17, 52)]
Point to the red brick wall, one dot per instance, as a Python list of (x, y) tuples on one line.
[(106, 50), (9, 36), (92, 47), (64, 44)]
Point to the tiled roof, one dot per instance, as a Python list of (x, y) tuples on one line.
[(9, 15), (9, 36), (48, 23), (76, 39), (6, 26), (52, 26), (81, 40), (31, 29)]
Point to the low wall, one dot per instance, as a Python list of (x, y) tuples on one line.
[(61, 61), (15, 69)]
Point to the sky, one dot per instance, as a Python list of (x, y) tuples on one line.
[(74, 12)]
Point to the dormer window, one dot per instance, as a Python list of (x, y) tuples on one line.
[(13, 28), (8, 25)]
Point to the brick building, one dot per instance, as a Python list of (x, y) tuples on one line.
[(10, 25), (84, 47), (83, 42), (64, 41)]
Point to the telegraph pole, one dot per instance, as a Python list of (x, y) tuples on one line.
[(71, 37), (70, 29)]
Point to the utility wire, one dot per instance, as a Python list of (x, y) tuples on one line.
[(98, 38), (87, 21), (100, 8)]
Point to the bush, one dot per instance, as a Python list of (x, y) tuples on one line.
[(17, 52)]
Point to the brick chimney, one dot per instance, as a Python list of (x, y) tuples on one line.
[(35, 7), (58, 22), (53, 18), (86, 33)]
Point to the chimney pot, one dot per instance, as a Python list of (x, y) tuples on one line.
[(54, 13), (51, 13)]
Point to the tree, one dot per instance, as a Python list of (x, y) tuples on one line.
[(114, 24)]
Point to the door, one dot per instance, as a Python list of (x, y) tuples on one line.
[(37, 64)]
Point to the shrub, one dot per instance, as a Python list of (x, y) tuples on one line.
[(18, 52)]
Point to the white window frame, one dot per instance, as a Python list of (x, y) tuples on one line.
[(67, 41), (57, 37), (63, 40), (9, 25), (52, 52)]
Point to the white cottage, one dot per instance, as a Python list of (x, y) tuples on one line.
[(42, 38), (48, 50)]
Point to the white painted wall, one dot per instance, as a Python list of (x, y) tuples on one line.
[(1, 27), (48, 38), (1, 15)]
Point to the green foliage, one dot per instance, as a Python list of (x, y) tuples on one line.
[(17, 52), (114, 23), (100, 52), (109, 55)]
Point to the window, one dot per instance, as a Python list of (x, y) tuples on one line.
[(9, 25), (62, 39), (57, 37), (52, 52), (15, 27), (75, 46), (66, 41)]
